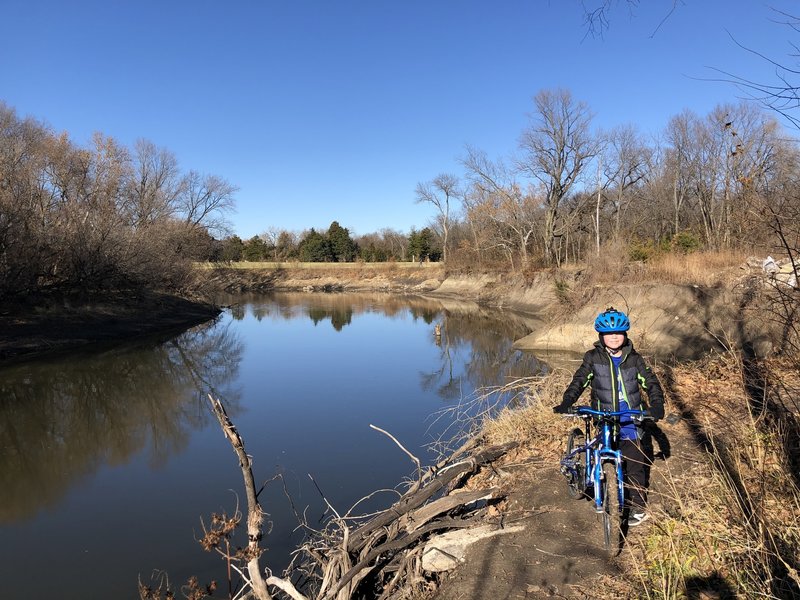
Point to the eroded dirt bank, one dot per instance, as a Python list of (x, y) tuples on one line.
[(669, 321)]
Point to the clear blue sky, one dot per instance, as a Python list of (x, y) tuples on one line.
[(325, 110)]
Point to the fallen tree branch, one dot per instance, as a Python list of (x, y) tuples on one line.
[(394, 546), (384, 553), (394, 439), (411, 501), (286, 587), (255, 516)]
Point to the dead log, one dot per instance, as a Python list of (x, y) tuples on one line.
[(414, 499), (387, 548), (421, 516)]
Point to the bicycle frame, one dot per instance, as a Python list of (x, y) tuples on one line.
[(597, 450)]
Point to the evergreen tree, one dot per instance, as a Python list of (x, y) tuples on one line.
[(343, 247), (315, 247), (419, 244), (255, 249), (232, 248), (422, 245)]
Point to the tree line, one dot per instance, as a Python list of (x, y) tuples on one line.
[(106, 217), (334, 245), (102, 218), (568, 192)]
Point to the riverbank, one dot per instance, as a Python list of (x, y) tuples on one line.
[(723, 502), (551, 557), (60, 325), (672, 320)]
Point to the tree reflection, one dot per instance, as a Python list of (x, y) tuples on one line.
[(63, 419), (339, 316), (491, 357), (486, 336)]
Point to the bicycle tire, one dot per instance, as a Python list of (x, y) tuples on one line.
[(575, 482), (611, 515)]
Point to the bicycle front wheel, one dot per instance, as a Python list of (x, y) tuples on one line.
[(612, 514), (575, 481)]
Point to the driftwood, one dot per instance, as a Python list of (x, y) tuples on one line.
[(255, 516), (378, 556)]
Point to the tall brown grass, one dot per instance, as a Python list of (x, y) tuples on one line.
[(725, 505), (698, 268), (728, 520), (708, 268)]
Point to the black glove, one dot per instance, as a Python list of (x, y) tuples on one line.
[(563, 409), (657, 412)]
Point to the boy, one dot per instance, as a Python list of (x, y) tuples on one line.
[(616, 374)]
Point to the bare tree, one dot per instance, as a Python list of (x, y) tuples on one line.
[(626, 162), (155, 185), (502, 201), (679, 157), (782, 94), (99, 218), (557, 146), (396, 241), (438, 192), (471, 201), (204, 200), (597, 13)]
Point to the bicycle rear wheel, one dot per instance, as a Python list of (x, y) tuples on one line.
[(611, 515), (575, 481)]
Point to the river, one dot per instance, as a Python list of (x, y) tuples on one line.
[(111, 459)]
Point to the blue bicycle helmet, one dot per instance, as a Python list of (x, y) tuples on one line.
[(612, 321)]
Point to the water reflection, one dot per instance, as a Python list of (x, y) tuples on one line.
[(123, 440), (472, 337), (491, 359), (60, 421)]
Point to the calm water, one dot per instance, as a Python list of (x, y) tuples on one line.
[(111, 458)]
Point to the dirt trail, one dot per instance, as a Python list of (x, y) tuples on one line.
[(559, 552)]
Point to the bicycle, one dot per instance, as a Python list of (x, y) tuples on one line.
[(593, 467)]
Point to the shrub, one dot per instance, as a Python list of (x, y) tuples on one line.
[(641, 250), (686, 242)]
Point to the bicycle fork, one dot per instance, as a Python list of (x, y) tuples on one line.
[(602, 487)]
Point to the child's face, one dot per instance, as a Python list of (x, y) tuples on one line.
[(613, 341)]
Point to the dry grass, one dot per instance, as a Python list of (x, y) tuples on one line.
[(532, 417), (727, 516), (725, 506), (321, 266), (699, 268)]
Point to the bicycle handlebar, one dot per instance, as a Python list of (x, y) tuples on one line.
[(585, 411)]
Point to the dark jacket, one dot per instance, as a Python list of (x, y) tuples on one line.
[(597, 371)]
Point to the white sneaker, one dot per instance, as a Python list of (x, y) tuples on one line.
[(637, 518)]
